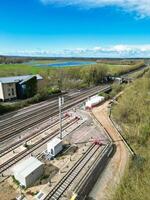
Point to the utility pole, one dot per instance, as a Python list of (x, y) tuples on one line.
[(61, 102)]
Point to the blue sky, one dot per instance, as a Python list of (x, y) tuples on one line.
[(95, 28)]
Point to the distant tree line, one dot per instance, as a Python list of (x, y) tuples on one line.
[(13, 60), (120, 61)]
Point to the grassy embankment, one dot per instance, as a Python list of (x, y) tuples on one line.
[(133, 115), (118, 70)]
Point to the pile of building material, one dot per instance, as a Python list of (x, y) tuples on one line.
[(93, 101)]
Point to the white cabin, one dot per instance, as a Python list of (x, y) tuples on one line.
[(28, 171), (54, 146)]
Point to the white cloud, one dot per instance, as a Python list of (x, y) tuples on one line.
[(120, 50), (141, 7)]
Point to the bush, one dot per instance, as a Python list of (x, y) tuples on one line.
[(116, 88), (94, 74), (106, 95), (15, 181), (53, 91)]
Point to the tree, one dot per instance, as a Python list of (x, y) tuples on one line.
[(94, 74)]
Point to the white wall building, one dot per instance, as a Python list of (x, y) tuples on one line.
[(8, 88), (54, 146), (28, 171)]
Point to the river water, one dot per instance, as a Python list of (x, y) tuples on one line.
[(66, 64)]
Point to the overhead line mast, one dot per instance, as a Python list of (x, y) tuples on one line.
[(61, 102)]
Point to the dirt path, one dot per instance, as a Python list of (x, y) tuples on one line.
[(106, 184)]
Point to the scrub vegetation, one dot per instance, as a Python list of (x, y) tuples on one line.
[(116, 88), (138, 74), (133, 115), (118, 70), (70, 77)]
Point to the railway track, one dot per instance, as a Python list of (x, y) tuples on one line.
[(19, 123), (35, 146), (25, 122), (23, 116), (86, 183), (4, 117), (58, 191), (35, 111), (30, 121), (23, 125), (27, 138), (66, 181)]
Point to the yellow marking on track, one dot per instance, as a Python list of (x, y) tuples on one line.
[(73, 197)]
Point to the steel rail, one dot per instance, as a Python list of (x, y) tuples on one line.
[(90, 169), (65, 182), (25, 115), (37, 145), (37, 110), (27, 138), (69, 104)]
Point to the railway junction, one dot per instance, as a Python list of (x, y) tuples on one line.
[(87, 148), (79, 134)]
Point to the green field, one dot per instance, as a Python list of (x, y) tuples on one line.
[(18, 69), (68, 77), (21, 69), (44, 61)]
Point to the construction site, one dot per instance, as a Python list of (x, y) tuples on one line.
[(61, 158)]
